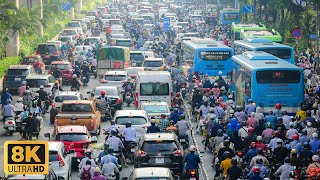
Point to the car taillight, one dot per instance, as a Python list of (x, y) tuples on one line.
[(38, 53), (177, 153), (61, 163), (171, 96), (118, 101), (55, 122), (5, 78), (104, 81), (10, 122), (92, 124), (53, 105), (56, 53), (47, 86), (136, 103), (141, 153)]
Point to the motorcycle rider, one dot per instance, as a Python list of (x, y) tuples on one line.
[(22, 88), (280, 152), (314, 143), (177, 100), (250, 107), (129, 134), (192, 160), (87, 157), (8, 110), (234, 172), (43, 95), (163, 123), (74, 82), (103, 103), (116, 144), (259, 156), (85, 70), (33, 124), (128, 87), (56, 87), (284, 170), (77, 71), (313, 167), (57, 74), (97, 174), (153, 128), (6, 96), (109, 168), (19, 106)]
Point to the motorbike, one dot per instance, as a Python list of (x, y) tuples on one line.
[(33, 136), (112, 176), (128, 99), (184, 143), (183, 90), (130, 150), (84, 80), (94, 71), (118, 156), (192, 174), (10, 125)]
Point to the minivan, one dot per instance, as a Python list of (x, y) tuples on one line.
[(49, 52), (45, 80), (16, 74)]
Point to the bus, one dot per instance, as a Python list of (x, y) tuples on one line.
[(229, 15), (281, 51), (206, 56), (271, 35), (236, 29), (267, 80)]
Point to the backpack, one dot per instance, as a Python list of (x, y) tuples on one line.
[(314, 173), (86, 175)]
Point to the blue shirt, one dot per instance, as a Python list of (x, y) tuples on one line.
[(250, 108), (314, 145), (250, 154), (112, 157), (5, 97), (192, 161), (272, 119), (174, 117)]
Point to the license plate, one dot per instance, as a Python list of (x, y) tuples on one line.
[(159, 160), (192, 178), (183, 89), (182, 140), (17, 79), (10, 128), (133, 150), (46, 56), (111, 107), (156, 98), (134, 64)]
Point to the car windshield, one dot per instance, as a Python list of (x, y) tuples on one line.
[(35, 83), (152, 63), (152, 178), (77, 108), (64, 98), (115, 77), (71, 137), (156, 109), (30, 60), (153, 89), (69, 32), (136, 57), (135, 120), (91, 14), (65, 39), (73, 24), (152, 147), (109, 91), (17, 72), (53, 156), (61, 66), (50, 49)]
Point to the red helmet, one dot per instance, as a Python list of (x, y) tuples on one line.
[(276, 133), (253, 144), (178, 94), (103, 93), (208, 90), (278, 106), (295, 137), (250, 130), (256, 170)]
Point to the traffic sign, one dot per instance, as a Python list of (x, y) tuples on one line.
[(296, 33), (66, 6), (248, 8), (166, 22), (313, 36)]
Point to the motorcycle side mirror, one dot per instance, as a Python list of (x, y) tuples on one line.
[(47, 135), (88, 92)]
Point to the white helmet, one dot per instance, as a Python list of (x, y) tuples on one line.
[(192, 148), (315, 135), (19, 99), (36, 95), (259, 138), (74, 76), (315, 158), (220, 73), (94, 139), (24, 82), (41, 87)]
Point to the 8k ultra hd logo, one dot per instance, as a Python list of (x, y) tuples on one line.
[(26, 157)]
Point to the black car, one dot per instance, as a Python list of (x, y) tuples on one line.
[(113, 93), (49, 52), (160, 150)]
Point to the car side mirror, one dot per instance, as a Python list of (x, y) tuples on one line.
[(124, 178), (47, 135)]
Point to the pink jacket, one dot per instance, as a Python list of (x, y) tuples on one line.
[(21, 90)]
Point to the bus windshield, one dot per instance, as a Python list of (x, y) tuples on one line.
[(278, 76), (214, 55), (280, 53)]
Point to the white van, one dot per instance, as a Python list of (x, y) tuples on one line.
[(153, 86)]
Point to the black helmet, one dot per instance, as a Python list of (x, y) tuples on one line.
[(306, 145), (304, 132), (259, 161), (308, 113), (244, 123), (226, 143), (220, 132), (234, 161), (286, 160), (226, 154), (260, 151), (113, 132), (182, 117), (175, 110), (110, 150), (128, 124), (279, 120), (106, 146), (113, 122), (238, 108)]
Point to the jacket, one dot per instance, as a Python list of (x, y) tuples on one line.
[(284, 171), (98, 176)]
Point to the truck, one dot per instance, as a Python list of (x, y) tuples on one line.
[(112, 58), (79, 112)]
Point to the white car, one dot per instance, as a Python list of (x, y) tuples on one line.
[(155, 109), (115, 78), (36, 80), (60, 160), (153, 64), (138, 118)]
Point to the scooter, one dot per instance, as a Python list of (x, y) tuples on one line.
[(128, 99), (10, 125), (192, 174), (94, 71), (183, 141), (84, 80)]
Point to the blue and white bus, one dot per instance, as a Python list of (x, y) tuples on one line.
[(267, 80), (207, 56), (229, 15), (259, 44)]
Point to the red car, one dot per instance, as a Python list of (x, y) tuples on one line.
[(36, 61), (74, 137), (65, 67)]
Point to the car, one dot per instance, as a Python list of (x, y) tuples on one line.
[(66, 38), (92, 13), (153, 64), (115, 22), (74, 137), (113, 93), (50, 176), (36, 80), (83, 24), (79, 112), (15, 75), (60, 160), (48, 51), (74, 25), (133, 71), (160, 150), (65, 67), (155, 109), (148, 54), (88, 40), (139, 120), (58, 100), (148, 27), (69, 32), (59, 43), (115, 78), (36, 61), (117, 31), (151, 173), (136, 58)]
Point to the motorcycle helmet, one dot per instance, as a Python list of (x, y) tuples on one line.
[(279, 141), (110, 150), (74, 76), (128, 124), (113, 132), (36, 95), (234, 161), (19, 99), (220, 73), (226, 143), (277, 106), (259, 138), (304, 132), (192, 148), (238, 108), (220, 132), (314, 135), (178, 94), (231, 111), (253, 145), (24, 83), (94, 139), (295, 137), (250, 130), (215, 85), (41, 87), (226, 154), (103, 93), (315, 158), (286, 160), (175, 110)]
